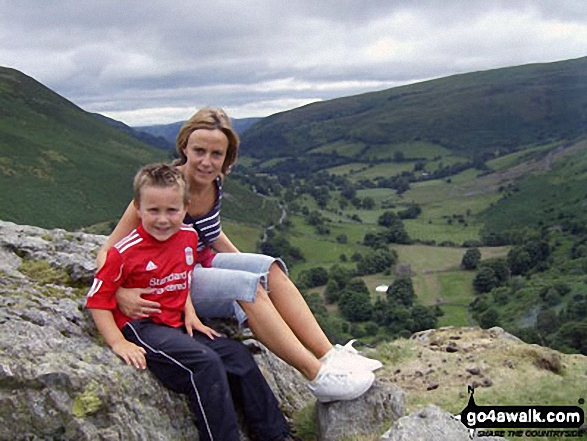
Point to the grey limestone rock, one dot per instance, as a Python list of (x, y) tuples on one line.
[(430, 423), (58, 381), (383, 404)]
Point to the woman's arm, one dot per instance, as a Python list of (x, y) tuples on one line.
[(128, 222), (224, 245)]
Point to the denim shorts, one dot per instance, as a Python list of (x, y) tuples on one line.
[(232, 277)]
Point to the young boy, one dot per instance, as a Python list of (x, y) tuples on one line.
[(161, 254)]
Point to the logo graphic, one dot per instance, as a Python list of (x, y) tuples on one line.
[(563, 421), (189, 255), (151, 266)]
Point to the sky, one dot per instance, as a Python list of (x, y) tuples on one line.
[(156, 62)]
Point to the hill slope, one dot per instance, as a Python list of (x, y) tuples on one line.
[(59, 165), (472, 113)]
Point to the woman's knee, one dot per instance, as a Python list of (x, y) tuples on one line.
[(261, 299), (276, 269)]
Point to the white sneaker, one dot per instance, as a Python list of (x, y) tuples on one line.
[(330, 385), (347, 358)]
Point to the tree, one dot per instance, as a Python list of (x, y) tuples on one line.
[(500, 269), (401, 292), (471, 259), (489, 318), (574, 335), (423, 318), (376, 261), (313, 277), (519, 261), (387, 219), (279, 246), (547, 322), (485, 280), (355, 301), (368, 203), (348, 192), (412, 212)]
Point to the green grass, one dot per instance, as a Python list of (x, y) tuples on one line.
[(547, 198), (343, 148), (61, 166), (244, 236), (438, 279), (421, 150)]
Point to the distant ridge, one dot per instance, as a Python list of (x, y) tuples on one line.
[(156, 141), (473, 113), (169, 131)]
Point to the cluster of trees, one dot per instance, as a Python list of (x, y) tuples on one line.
[(277, 245), (556, 314), (395, 232), (398, 314), (529, 257)]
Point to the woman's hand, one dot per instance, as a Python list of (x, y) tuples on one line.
[(133, 305)]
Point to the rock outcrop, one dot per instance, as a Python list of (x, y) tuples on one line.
[(431, 424), (58, 381)]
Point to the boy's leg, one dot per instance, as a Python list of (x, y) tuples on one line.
[(262, 413), (187, 366)]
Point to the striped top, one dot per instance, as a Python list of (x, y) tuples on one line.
[(208, 226)]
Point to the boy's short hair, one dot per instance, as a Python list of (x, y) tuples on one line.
[(159, 175)]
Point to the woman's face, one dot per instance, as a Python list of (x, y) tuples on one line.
[(205, 152)]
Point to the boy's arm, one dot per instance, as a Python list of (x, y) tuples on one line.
[(192, 321), (132, 354)]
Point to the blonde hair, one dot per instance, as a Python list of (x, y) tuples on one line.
[(209, 118), (160, 175)]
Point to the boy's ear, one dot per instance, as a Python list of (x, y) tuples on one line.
[(136, 204)]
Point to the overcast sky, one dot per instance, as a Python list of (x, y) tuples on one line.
[(155, 62)]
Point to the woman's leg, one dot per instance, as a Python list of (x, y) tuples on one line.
[(295, 311), (283, 293), (270, 328), (214, 291)]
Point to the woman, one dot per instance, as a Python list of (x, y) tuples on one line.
[(251, 286)]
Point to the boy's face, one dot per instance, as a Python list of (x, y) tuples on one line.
[(161, 210)]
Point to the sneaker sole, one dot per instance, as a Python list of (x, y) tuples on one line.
[(349, 396)]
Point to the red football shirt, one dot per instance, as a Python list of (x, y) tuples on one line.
[(141, 261)]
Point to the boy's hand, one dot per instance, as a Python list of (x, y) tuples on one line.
[(133, 355), (193, 322)]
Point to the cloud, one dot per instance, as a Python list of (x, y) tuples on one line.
[(157, 61)]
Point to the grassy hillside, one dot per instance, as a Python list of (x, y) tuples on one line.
[(496, 110), (59, 165), (553, 193), (63, 167)]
